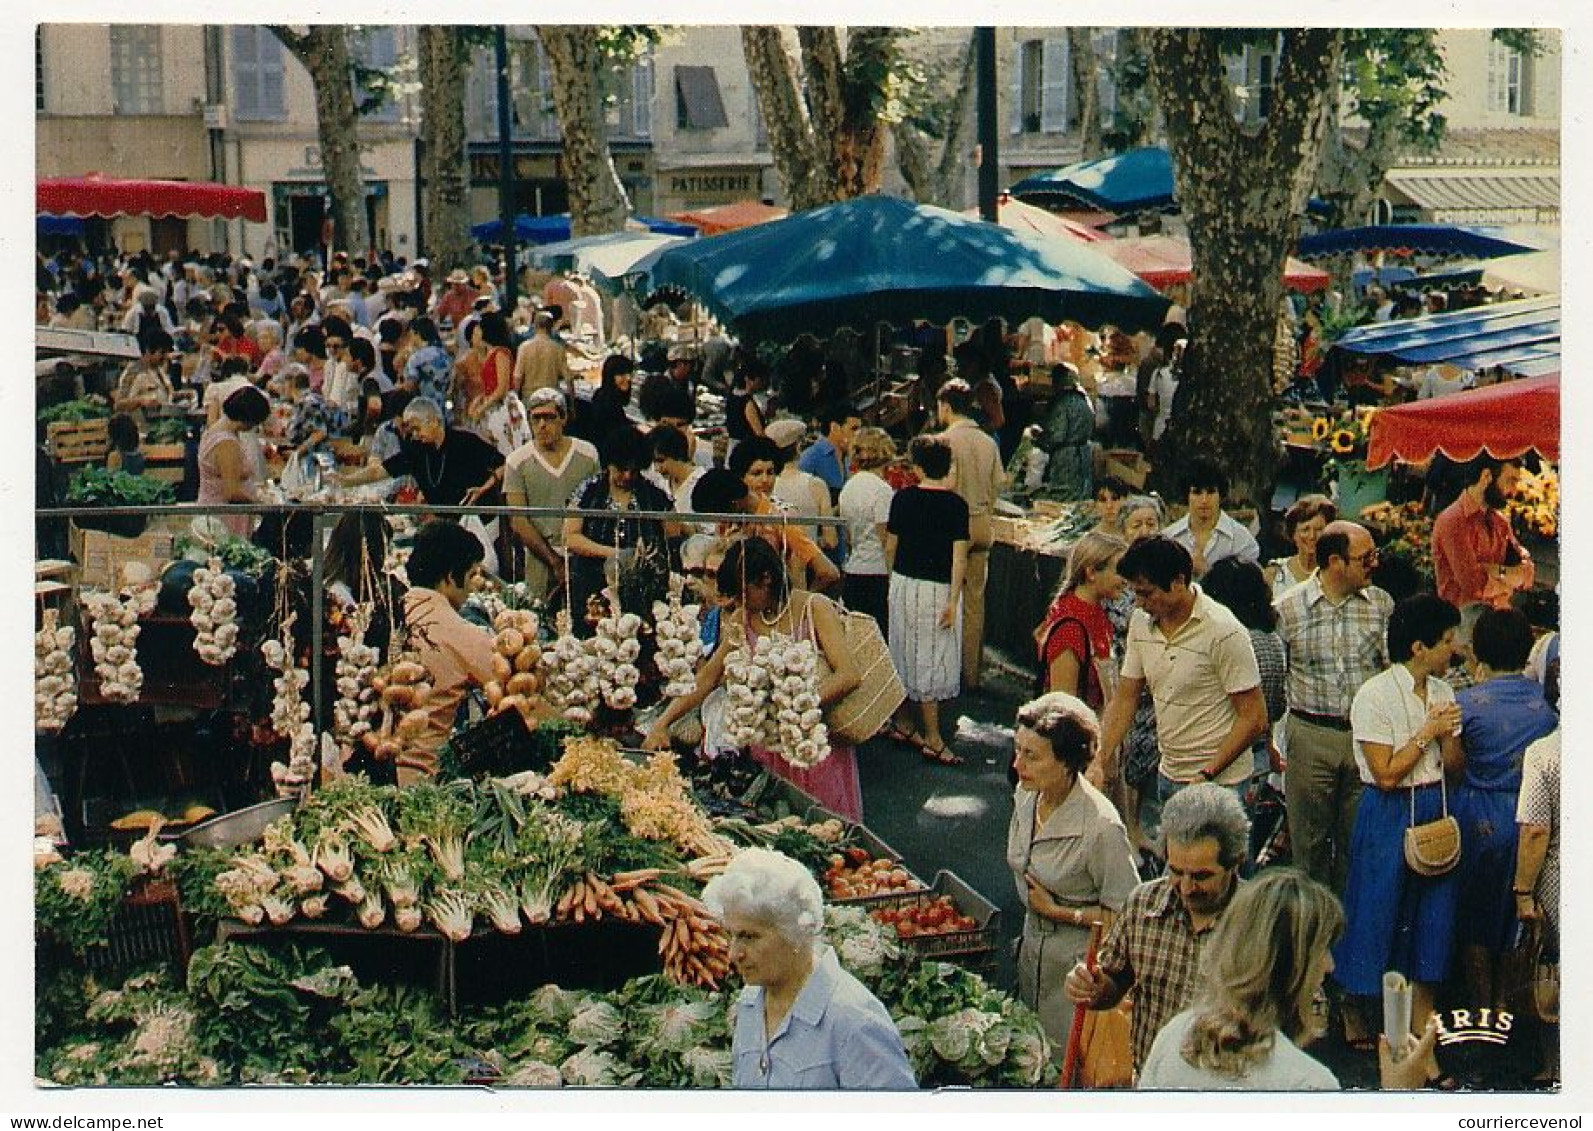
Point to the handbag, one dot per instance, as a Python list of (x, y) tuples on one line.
[(864, 710), (1432, 848), (1107, 1053)]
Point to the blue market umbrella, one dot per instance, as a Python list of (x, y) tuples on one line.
[(1410, 239), (1124, 182), (879, 259), (553, 229)]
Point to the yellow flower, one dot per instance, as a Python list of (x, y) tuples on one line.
[(1319, 428), (1343, 441)]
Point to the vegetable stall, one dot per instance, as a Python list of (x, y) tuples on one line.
[(219, 901)]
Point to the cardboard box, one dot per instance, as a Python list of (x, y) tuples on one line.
[(1129, 466), (101, 556)]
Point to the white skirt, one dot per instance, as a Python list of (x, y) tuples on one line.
[(928, 657)]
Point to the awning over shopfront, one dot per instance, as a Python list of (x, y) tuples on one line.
[(1409, 239), (1473, 196), (1505, 420), (1163, 261), (730, 217), (552, 229), (1520, 337), (96, 195)]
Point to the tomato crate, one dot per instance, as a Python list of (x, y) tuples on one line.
[(979, 943)]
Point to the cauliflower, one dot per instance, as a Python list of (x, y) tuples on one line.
[(534, 1074), (596, 1024)]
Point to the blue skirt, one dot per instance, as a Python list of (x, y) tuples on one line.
[(1394, 919), (1488, 835)]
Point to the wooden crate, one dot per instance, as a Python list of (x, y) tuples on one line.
[(78, 441), (164, 462)]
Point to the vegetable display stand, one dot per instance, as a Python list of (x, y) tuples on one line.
[(384, 954), (491, 968), (149, 928), (973, 947), (174, 675)]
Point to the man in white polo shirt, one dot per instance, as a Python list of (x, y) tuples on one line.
[(1196, 658)]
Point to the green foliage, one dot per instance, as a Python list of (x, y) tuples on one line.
[(92, 407), (395, 1035), (1394, 79), (97, 487), (75, 900), (167, 430)]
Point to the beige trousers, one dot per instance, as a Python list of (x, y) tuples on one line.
[(980, 537)]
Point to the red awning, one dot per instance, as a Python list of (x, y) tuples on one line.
[(1505, 420), (730, 217), (1164, 260), (96, 195)]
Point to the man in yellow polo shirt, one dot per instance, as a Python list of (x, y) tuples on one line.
[(1196, 658)]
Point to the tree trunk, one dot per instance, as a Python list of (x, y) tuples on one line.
[(323, 50), (785, 117), (598, 203), (1087, 91), (860, 154), (943, 182), (444, 58), (1241, 194), (1134, 123)]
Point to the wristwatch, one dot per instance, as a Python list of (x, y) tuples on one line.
[(1205, 774)]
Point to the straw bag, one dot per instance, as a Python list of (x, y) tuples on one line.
[(866, 709), (1433, 848)]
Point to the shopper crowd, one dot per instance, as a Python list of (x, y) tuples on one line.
[(1183, 677)]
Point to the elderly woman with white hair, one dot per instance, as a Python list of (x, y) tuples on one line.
[(802, 1021), (1067, 849)]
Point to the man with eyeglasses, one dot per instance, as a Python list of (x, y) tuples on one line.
[(1154, 946), (1333, 626), (545, 473)]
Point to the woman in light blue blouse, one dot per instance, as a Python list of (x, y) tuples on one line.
[(802, 1021)]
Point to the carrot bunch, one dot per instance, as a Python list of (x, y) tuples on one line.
[(692, 944)]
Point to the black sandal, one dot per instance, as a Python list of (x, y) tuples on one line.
[(940, 755)]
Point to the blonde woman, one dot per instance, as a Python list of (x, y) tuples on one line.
[(865, 504), (1261, 999), (1076, 641)]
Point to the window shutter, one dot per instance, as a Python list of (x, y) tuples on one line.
[(1105, 69), (698, 103), (642, 96), (1495, 85), (271, 59), (1056, 83), (1239, 82), (547, 115), (377, 49), (487, 98), (246, 73), (1015, 90)]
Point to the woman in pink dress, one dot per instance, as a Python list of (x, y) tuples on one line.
[(227, 471), (753, 575)]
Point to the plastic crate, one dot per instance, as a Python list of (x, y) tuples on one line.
[(494, 744), (961, 945)]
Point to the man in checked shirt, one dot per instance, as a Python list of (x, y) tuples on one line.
[(1153, 948), (1334, 627)]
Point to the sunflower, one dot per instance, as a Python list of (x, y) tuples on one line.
[(1343, 441), (1319, 428)]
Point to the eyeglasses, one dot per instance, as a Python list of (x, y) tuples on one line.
[(1368, 557), (544, 416)]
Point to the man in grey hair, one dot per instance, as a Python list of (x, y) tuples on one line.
[(1154, 946)]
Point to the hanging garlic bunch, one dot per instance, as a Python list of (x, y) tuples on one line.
[(801, 737), (290, 715), (679, 643), (113, 645), (54, 677), (571, 686), (356, 706), (215, 615), (617, 649), (748, 722)]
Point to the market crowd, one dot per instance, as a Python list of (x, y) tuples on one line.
[(1191, 688)]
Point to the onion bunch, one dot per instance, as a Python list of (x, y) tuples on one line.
[(290, 714), (113, 645), (679, 644), (215, 615), (54, 677), (517, 662)]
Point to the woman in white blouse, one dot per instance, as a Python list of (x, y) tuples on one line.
[(865, 504)]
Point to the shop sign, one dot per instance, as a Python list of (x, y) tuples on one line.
[(730, 185)]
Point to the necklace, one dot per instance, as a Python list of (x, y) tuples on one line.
[(432, 480), (780, 612)]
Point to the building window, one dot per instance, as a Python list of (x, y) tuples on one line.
[(1041, 85), (697, 102), (760, 128), (642, 97), (135, 68), (1252, 73), (376, 49), (38, 68), (257, 75), (628, 99), (1508, 85)]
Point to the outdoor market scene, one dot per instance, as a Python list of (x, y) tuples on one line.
[(869, 559)]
